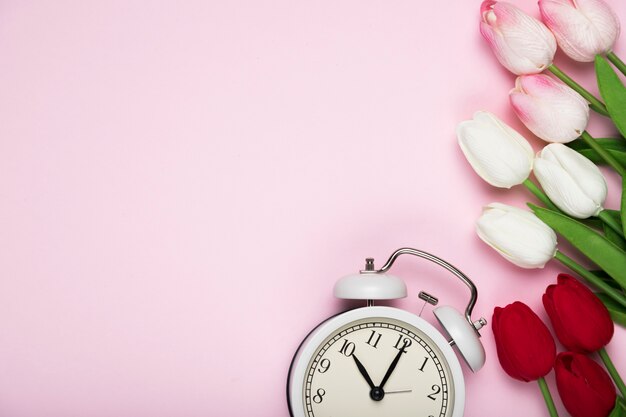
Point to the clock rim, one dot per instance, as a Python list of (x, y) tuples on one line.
[(310, 344)]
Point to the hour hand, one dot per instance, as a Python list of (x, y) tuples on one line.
[(363, 371)]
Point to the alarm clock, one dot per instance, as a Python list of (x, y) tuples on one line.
[(383, 361)]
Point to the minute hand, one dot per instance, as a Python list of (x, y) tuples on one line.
[(391, 368)]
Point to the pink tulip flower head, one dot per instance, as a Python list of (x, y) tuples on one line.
[(583, 28), (550, 109), (522, 44)]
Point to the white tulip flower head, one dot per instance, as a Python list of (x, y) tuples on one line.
[(498, 154), (517, 235), (573, 183)]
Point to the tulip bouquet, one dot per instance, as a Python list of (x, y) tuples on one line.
[(572, 191), (570, 186)]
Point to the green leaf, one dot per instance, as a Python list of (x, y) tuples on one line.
[(620, 408), (613, 92), (615, 214), (593, 222), (614, 237), (618, 312), (623, 207), (598, 160), (611, 234), (596, 247), (606, 278), (616, 147), (617, 144)]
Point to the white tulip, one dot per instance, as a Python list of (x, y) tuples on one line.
[(498, 154), (517, 235), (573, 182)]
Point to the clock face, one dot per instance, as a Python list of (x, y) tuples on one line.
[(378, 367)]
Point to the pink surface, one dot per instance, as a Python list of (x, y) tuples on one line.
[(183, 182)]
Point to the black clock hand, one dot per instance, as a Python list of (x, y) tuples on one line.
[(363, 371), (391, 368)]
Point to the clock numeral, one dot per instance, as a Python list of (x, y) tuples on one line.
[(403, 343), (324, 365), (347, 348), (424, 364), (319, 397), (374, 339), (436, 390)]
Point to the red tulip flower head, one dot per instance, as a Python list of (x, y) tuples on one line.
[(526, 349), (580, 320), (584, 386)]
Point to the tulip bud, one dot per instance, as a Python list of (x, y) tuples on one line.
[(517, 235), (573, 182), (550, 109), (525, 346), (498, 154), (522, 44), (585, 388), (580, 320), (583, 28)]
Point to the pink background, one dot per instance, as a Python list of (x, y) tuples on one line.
[(183, 182)]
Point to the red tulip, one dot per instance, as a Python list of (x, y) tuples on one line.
[(580, 320), (584, 387), (526, 349)]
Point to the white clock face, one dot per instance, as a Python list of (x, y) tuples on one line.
[(378, 367)]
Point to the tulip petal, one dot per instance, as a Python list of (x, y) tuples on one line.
[(563, 190), (551, 110), (581, 170), (498, 154), (521, 43), (605, 21), (580, 320), (555, 318), (525, 34), (524, 345), (575, 34), (517, 235), (584, 387), (571, 181), (583, 28)]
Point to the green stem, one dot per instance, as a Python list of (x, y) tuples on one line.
[(540, 194), (547, 397), (604, 154), (608, 363), (610, 221), (594, 103), (590, 277), (619, 64)]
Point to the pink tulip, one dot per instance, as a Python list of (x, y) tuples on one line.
[(550, 109), (583, 28), (522, 44)]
